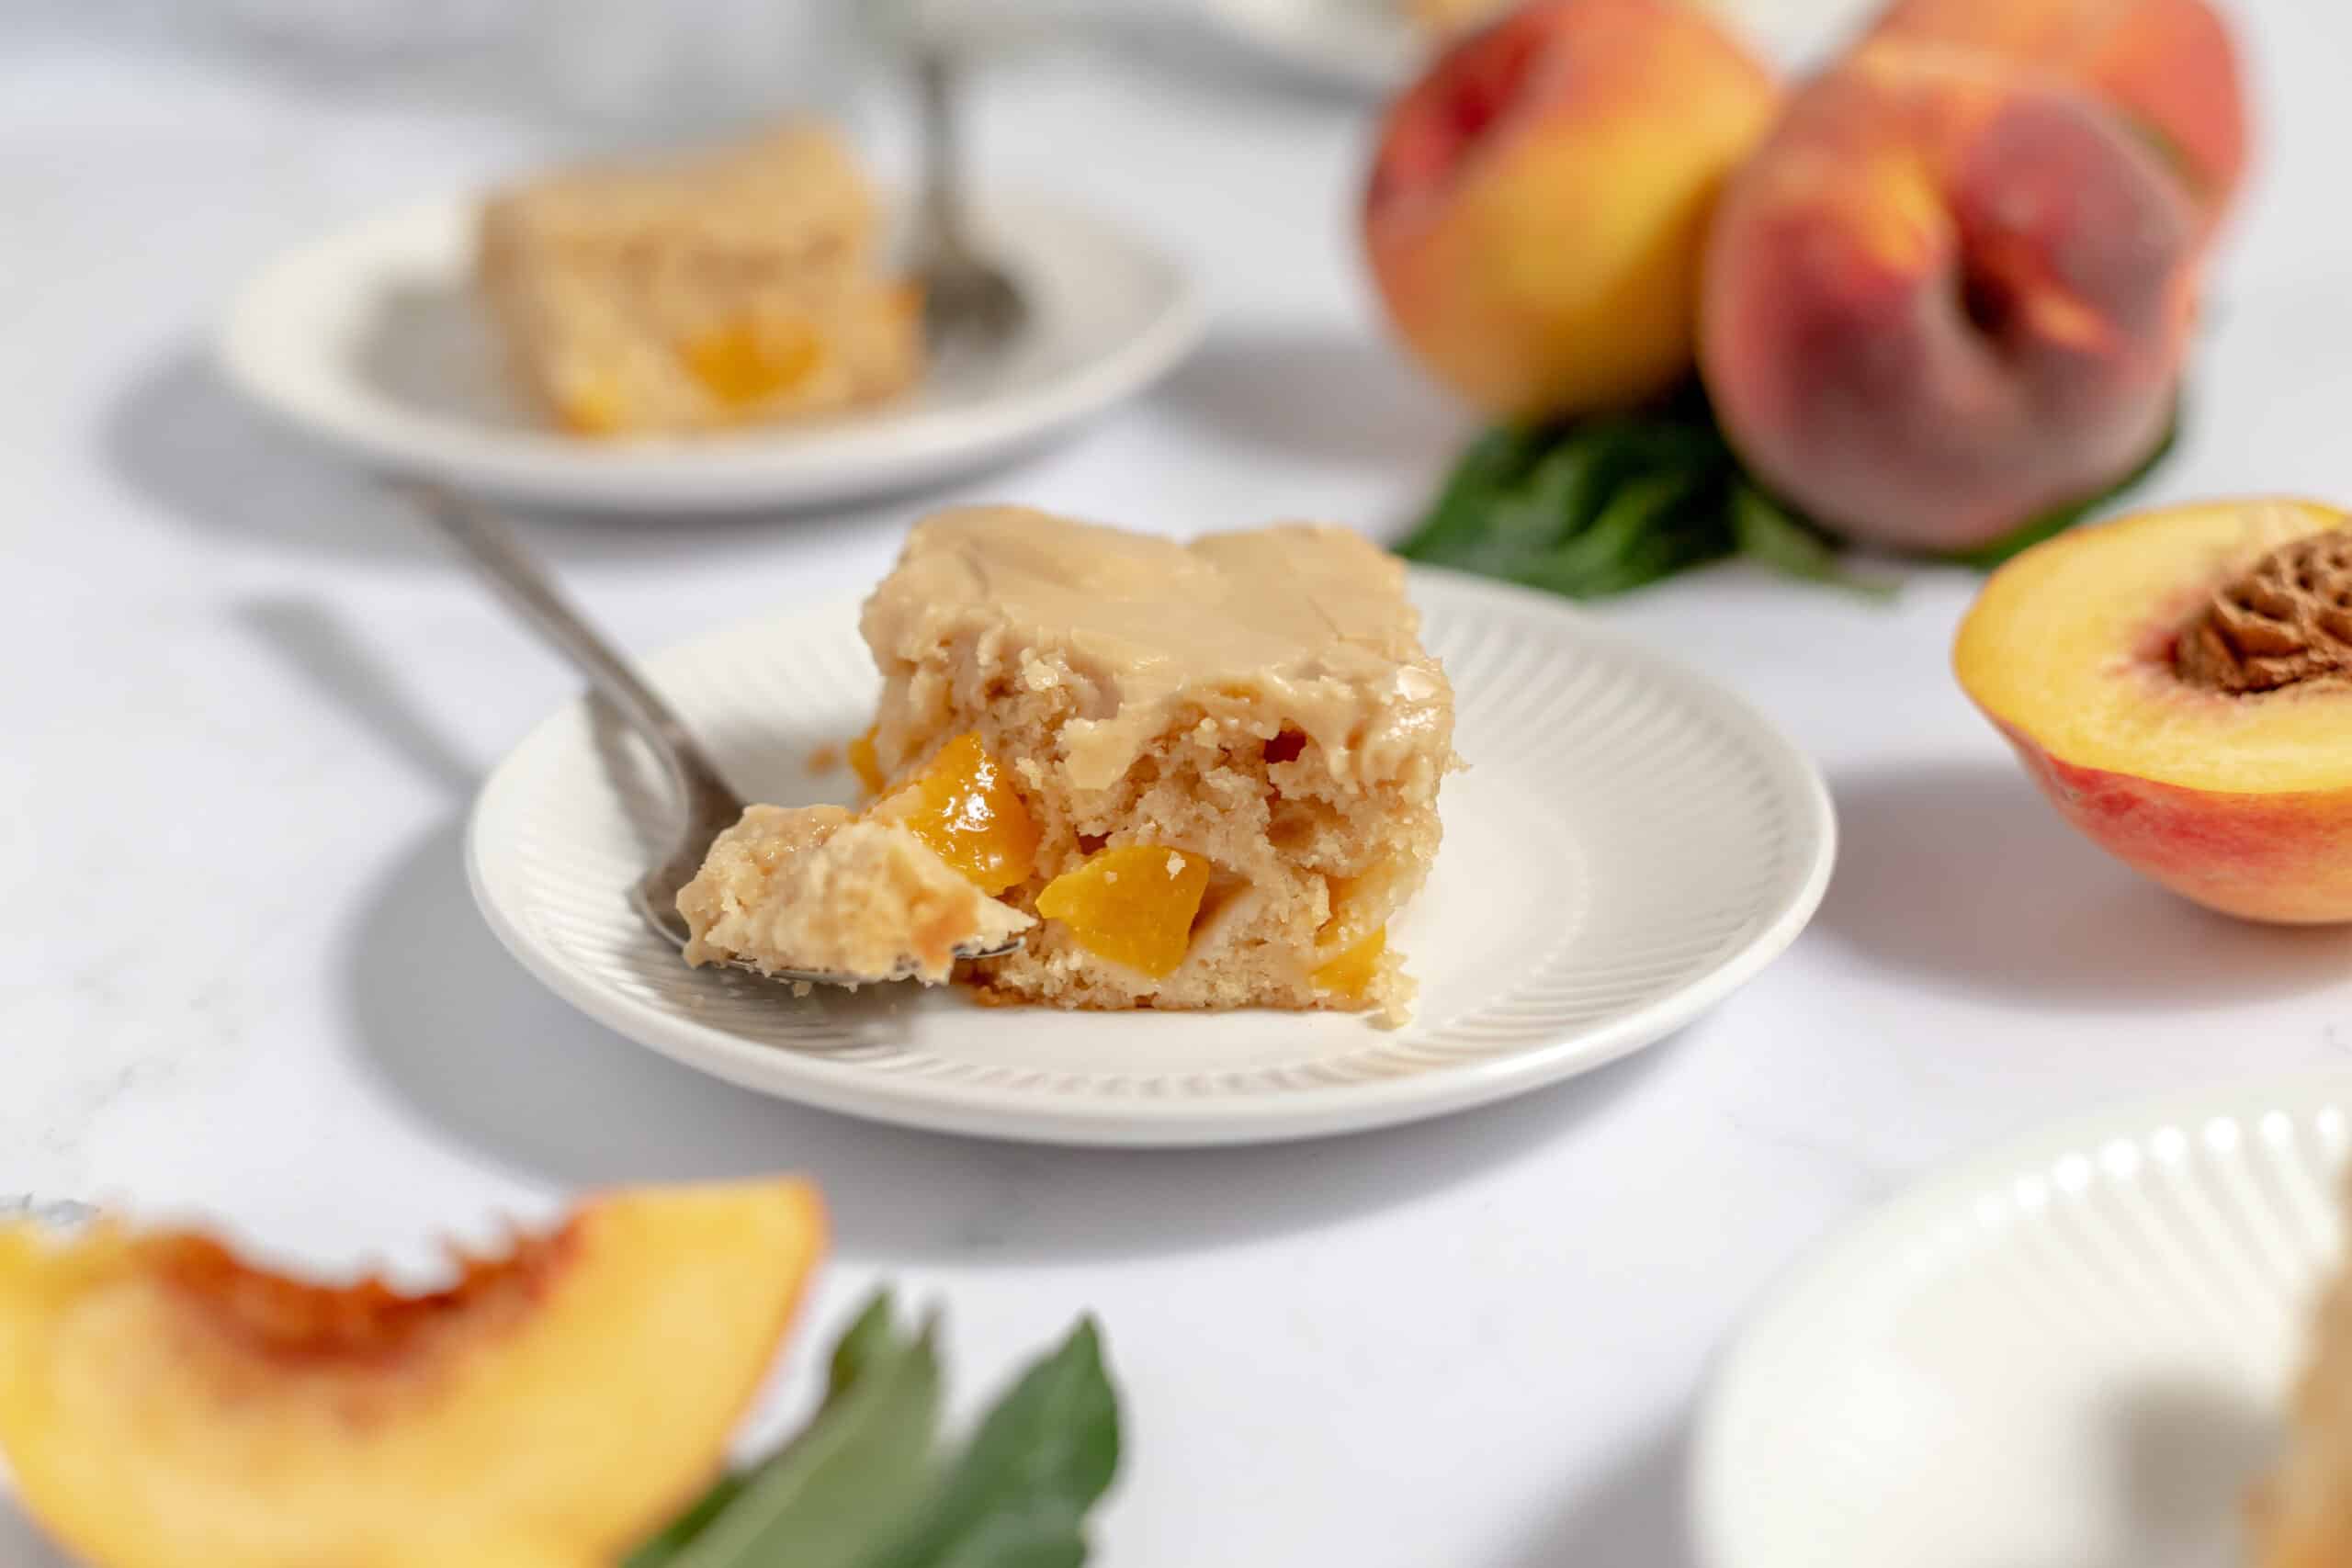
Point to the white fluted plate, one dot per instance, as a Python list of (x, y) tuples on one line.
[(1629, 843), (2073, 1353), (370, 340)]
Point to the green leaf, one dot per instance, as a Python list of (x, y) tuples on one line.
[(1602, 505), (1619, 550), (860, 1467), (861, 1487), (1767, 533), (872, 1338), (1457, 522), (2056, 521), (1018, 1495)]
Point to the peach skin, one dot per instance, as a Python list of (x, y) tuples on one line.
[(162, 1402), (2168, 66), (2179, 684), (1538, 201), (1945, 298)]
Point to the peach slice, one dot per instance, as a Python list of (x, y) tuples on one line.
[(2179, 684), (1538, 202), (163, 1402), (971, 817), (1133, 904)]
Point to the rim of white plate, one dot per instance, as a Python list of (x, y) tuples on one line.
[(1433, 1079), (1829, 1269)]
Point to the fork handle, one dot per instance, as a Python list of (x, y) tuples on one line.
[(528, 589), (941, 213)]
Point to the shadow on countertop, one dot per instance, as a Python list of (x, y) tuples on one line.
[(455, 1028), (1962, 876), (22, 1546), (1635, 1516), (186, 442), (1323, 396)]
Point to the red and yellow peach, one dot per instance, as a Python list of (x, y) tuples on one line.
[(1538, 203)]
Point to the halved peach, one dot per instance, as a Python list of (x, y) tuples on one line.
[(2179, 684), (163, 1402)]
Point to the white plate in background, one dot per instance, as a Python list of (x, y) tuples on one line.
[(2072, 1353), (370, 340), (1629, 845)]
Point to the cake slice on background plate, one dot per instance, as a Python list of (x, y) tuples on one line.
[(727, 286)]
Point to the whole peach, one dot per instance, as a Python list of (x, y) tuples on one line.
[(1538, 201), (1945, 297), (2168, 66)]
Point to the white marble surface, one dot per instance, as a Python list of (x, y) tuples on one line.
[(245, 702)]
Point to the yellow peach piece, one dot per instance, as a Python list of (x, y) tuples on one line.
[(1351, 974), (163, 1402), (866, 763), (1133, 904), (2179, 684), (971, 817), (746, 363)]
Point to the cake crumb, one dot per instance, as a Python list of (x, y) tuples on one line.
[(823, 760)]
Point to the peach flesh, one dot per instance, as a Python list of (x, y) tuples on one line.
[(2241, 802), (1941, 301)]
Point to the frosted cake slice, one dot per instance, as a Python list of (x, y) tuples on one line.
[(1227, 754)]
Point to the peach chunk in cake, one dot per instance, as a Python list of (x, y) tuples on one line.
[(1230, 752)]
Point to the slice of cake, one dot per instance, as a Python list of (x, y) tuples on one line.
[(818, 888), (1227, 754), (728, 288), (2302, 1515)]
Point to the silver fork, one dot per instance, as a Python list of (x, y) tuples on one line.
[(969, 303), (711, 806)]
